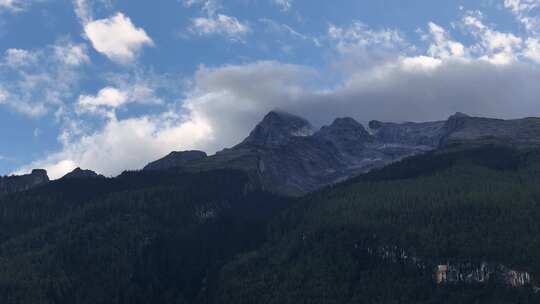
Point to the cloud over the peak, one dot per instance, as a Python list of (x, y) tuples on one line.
[(117, 37), (225, 102), (372, 73)]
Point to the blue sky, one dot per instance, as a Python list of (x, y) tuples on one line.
[(110, 85)]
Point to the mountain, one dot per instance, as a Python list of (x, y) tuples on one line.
[(286, 156), (11, 184), (448, 212), (175, 159), (79, 173)]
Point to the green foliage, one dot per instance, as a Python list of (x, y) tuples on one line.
[(173, 237), (462, 206), (142, 238)]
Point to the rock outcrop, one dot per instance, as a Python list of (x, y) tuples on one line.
[(79, 173), (18, 183)]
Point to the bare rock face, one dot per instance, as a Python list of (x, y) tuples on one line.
[(175, 159), (285, 155), (11, 184), (79, 173), (463, 129), (278, 128)]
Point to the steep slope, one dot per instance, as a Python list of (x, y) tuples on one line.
[(144, 237), (382, 238)]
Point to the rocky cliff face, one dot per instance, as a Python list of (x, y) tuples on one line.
[(11, 184), (287, 156), (463, 129)]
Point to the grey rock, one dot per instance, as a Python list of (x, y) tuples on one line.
[(79, 173), (18, 183), (175, 159), (284, 155), (466, 130), (278, 128)]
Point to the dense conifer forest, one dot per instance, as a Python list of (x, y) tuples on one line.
[(215, 237)]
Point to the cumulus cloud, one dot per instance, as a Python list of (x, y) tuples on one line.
[(117, 37), (106, 99), (126, 144), (442, 46)]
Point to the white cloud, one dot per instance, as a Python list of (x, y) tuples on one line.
[(443, 47), (36, 80), (221, 25), (83, 11), (223, 103), (126, 144), (284, 29), (19, 57), (360, 35), (532, 50), (72, 54), (107, 98), (117, 37), (210, 7), (493, 46), (522, 10)]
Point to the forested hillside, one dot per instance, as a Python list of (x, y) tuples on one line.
[(214, 237), (141, 238), (378, 238)]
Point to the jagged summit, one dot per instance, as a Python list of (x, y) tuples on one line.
[(459, 115), (79, 173), (286, 156), (277, 128), (175, 159), (345, 131)]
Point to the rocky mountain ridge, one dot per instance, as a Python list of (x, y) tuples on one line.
[(287, 156), (79, 173)]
